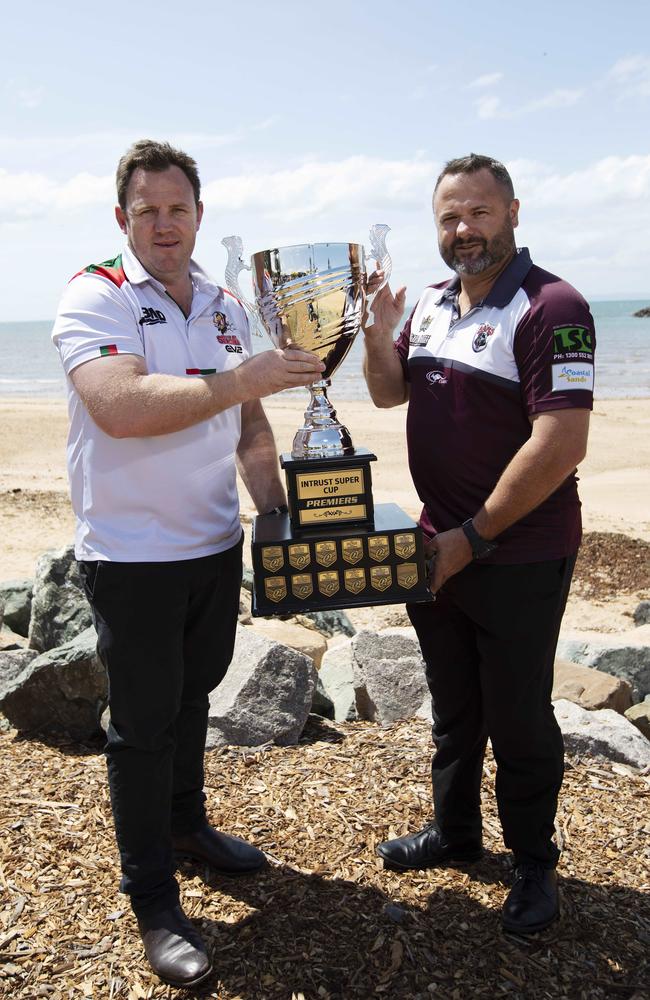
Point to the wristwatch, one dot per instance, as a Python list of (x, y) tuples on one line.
[(480, 546), (280, 509)]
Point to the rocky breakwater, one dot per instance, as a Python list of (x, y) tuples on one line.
[(339, 666)]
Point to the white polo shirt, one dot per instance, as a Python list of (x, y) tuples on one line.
[(163, 498)]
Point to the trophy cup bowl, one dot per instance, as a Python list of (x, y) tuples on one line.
[(312, 296), (333, 547)]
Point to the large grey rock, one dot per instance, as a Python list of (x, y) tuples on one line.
[(625, 654), (336, 675), (389, 676), (642, 613), (17, 596), (60, 610), (321, 703), (307, 641), (639, 716), (2, 611), (247, 579), (12, 664), (592, 689), (61, 691), (265, 696), (328, 623), (602, 733)]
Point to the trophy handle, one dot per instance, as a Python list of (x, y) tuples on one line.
[(235, 263), (379, 251)]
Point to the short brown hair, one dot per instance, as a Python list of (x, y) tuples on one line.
[(152, 155), (472, 164)]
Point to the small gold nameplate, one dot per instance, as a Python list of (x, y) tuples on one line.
[(330, 515), (325, 553), (407, 575), (273, 558), (352, 550), (378, 547), (299, 556), (328, 583), (404, 545), (329, 484), (301, 586), (355, 580), (381, 577), (275, 588)]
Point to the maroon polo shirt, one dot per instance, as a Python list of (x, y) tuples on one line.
[(527, 348)]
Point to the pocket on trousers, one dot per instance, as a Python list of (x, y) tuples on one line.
[(89, 572)]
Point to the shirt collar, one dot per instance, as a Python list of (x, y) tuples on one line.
[(504, 288), (138, 275)]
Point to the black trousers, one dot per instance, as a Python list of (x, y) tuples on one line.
[(489, 645), (166, 634)]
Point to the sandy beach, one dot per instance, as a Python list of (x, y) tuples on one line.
[(35, 513)]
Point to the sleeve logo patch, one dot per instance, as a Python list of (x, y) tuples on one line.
[(573, 375), (572, 342)]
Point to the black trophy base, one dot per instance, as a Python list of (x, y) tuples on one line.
[(337, 567), (329, 491)]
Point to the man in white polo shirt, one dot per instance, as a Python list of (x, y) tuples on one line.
[(497, 368), (164, 401)]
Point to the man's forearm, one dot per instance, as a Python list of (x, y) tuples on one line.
[(257, 460), (125, 400), (383, 372), (558, 443), (536, 471)]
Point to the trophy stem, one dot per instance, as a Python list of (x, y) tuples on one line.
[(322, 435)]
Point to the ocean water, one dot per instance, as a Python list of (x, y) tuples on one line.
[(29, 364)]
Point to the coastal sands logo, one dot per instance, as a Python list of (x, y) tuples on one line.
[(573, 376)]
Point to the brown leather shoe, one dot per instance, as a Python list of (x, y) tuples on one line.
[(225, 854), (173, 948)]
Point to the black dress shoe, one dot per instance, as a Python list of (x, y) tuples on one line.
[(532, 903), (173, 948), (227, 855), (425, 849)]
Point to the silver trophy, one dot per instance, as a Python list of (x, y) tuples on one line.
[(312, 296)]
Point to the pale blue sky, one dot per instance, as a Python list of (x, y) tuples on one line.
[(311, 122)]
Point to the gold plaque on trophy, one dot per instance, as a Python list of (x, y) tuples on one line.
[(275, 588), (325, 553), (334, 484), (299, 556), (404, 545), (381, 577), (302, 586), (328, 583), (407, 575), (352, 550), (378, 547), (355, 580), (272, 558)]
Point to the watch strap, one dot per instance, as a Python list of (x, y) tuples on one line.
[(480, 546)]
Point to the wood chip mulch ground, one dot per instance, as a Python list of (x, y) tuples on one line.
[(324, 920), (610, 564)]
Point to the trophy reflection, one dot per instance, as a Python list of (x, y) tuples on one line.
[(334, 549)]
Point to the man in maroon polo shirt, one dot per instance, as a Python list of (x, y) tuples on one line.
[(497, 365)]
